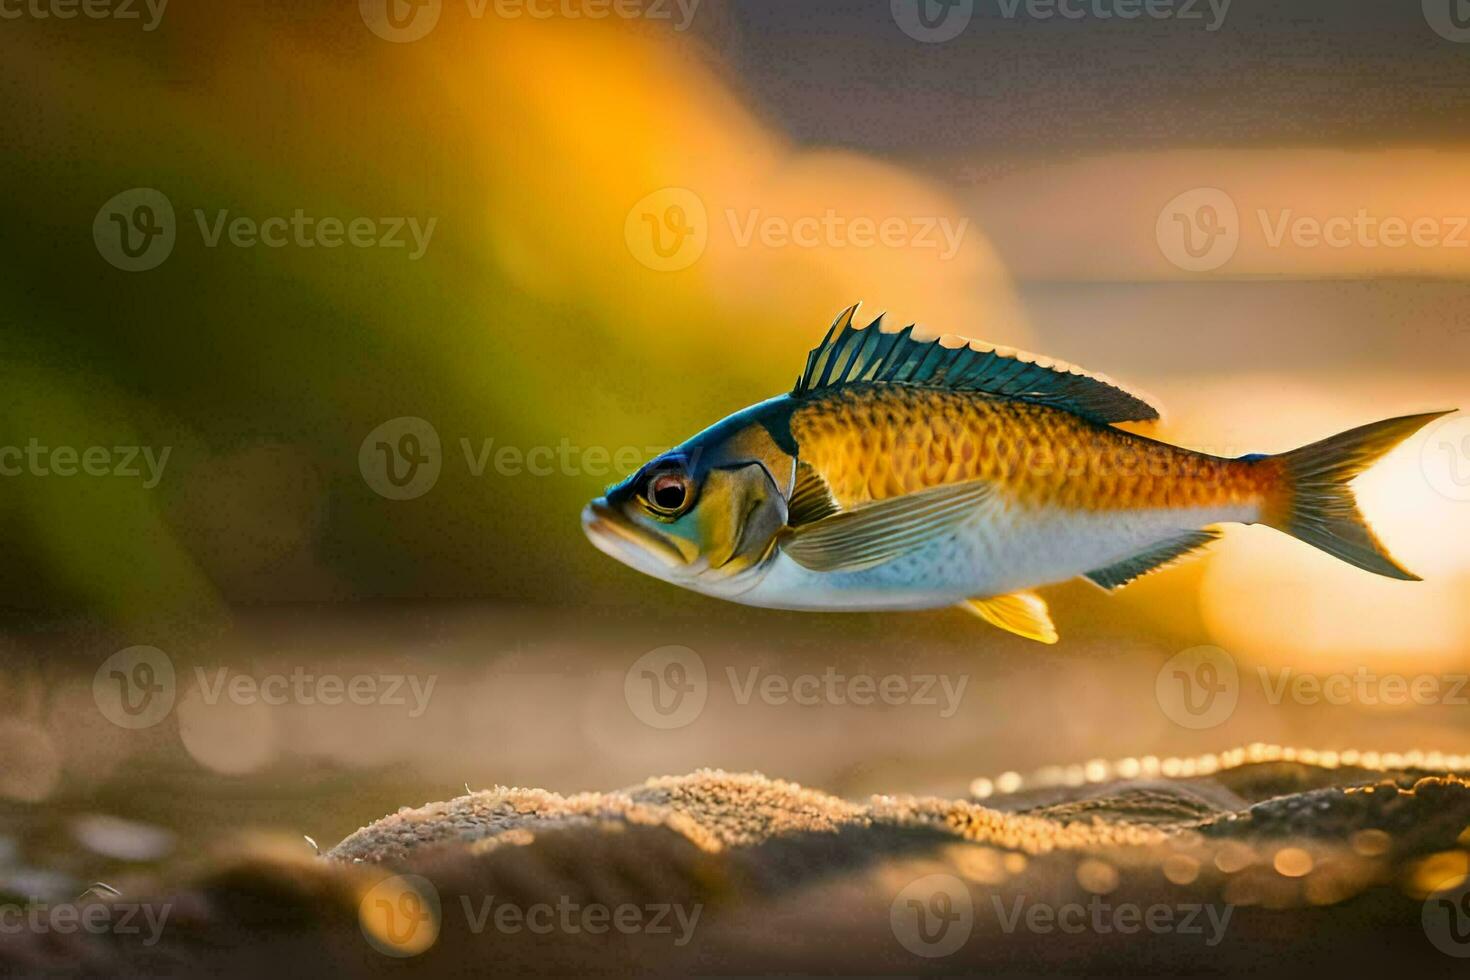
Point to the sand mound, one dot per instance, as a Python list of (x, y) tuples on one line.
[(1265, 865)]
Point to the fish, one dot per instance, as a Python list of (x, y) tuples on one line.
[(905, 471)]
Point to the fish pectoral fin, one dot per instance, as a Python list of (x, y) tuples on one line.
[(1120, 574), (1022, 613), (811, 497), (881, 531)]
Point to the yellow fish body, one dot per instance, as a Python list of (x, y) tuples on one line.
[(908, 474)]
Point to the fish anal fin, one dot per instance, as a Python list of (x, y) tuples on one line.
[(1022, 613), (1119, 574), (870, 535)]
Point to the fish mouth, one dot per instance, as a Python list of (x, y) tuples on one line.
[(612, 534)]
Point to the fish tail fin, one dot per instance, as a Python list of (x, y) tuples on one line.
[(1312, 501)]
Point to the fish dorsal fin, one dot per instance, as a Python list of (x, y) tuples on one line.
[(1120, 574), (851, 355), (1022, 613), (853, 540), (811, 497)]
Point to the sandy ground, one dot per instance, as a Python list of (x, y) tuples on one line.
[(1265, 867), (1055, 793)]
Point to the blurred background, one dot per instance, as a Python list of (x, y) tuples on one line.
[(358, 303)]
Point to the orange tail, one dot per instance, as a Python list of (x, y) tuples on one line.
[(1315, 503)]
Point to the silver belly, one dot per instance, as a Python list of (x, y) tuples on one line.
[(997, 553)]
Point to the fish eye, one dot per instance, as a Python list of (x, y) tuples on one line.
[(668, 492)]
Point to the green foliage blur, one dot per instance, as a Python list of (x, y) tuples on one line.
[(526, 322)]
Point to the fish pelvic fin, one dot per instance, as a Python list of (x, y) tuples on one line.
[(1313, 502), (1022, 613)]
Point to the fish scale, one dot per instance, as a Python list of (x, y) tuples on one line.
[(1038, 456)]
